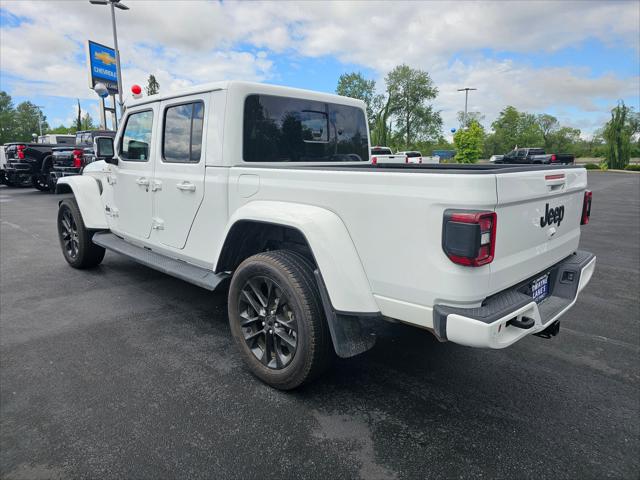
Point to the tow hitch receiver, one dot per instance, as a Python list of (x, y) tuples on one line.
[(524, 323), (551, 331)]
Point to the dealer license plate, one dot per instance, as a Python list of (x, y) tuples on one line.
[(540, 288)]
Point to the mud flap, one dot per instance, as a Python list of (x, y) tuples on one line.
[(351, 334)]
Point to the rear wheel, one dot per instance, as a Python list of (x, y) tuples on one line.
[(276, 319), (75, 240), (42, 179)]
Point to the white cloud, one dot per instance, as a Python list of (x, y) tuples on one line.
[(526, 88), (185, 42)]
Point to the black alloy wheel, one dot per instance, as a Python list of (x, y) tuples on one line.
[(69, 234), (268, 323), (76, 241)]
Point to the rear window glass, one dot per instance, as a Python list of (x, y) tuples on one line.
[(381, 151), (283, 129), (65, 140), (413, 154), (84, 138), (182, 141)]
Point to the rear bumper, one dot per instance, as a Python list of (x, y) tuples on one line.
[(489, 326), (17, 167)]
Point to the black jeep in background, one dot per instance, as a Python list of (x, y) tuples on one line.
[(71, 160), (32, 161)]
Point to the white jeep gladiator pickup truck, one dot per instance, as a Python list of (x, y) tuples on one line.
[(271, 188)]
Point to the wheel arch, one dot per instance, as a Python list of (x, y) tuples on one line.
[(46, 161), (86, 191), (314, 232)]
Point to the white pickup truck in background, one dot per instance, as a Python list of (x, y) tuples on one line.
[(248, 183), (384, 155), (414, 156)]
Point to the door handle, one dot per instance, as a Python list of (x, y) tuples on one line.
[(142, 181), (186, 186)]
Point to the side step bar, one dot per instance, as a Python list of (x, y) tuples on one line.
[(185, 271)]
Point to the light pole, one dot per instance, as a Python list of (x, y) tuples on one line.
[(466, 99), (115, 4), (40, 107)]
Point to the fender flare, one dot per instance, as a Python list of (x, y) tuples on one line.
[(331, 245), (87, 193)]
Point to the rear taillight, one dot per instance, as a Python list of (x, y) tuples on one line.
[(77, 158), (406, 159), (374, 160), (586, 207), (469, 237), (20, 149), (553, 158)]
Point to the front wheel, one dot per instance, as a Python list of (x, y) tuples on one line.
[(75, 240), (277, 321)]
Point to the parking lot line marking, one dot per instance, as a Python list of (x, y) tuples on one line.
[(600, 338)]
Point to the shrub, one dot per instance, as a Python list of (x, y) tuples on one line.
[(604, 165), (632, 167), (591, 166)]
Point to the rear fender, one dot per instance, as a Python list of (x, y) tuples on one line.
[(331, 245), (87, 193)]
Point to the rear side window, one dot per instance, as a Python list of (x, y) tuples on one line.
[(136, 139), (283, 129), (182, 139)]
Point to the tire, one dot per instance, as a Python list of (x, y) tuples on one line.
[(40, 182), (75, 240), (42, 179), (298, 319)]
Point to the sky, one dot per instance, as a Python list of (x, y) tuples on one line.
[(572, 59)]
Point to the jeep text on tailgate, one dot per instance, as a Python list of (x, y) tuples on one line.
[(272, 188)]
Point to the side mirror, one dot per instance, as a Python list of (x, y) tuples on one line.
[(103, 148)]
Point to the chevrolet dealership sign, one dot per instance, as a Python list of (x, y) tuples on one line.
[(102, 66)]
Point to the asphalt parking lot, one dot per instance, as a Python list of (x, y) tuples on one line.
[(122, 372)]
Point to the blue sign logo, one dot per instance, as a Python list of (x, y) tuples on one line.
[(102, 64)]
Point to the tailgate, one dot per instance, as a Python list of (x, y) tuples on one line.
[(63, 158), (538, 225)]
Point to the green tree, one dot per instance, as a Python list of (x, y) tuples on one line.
[(354, 85), (471, 117), (27, 122), (618, 133), (469, 143), (380, 130), (153, 87), (87, 122), (563, 140), (549, 125), (409, 91), (513, 128), (7, 118), (62, 130), (79, 117)]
